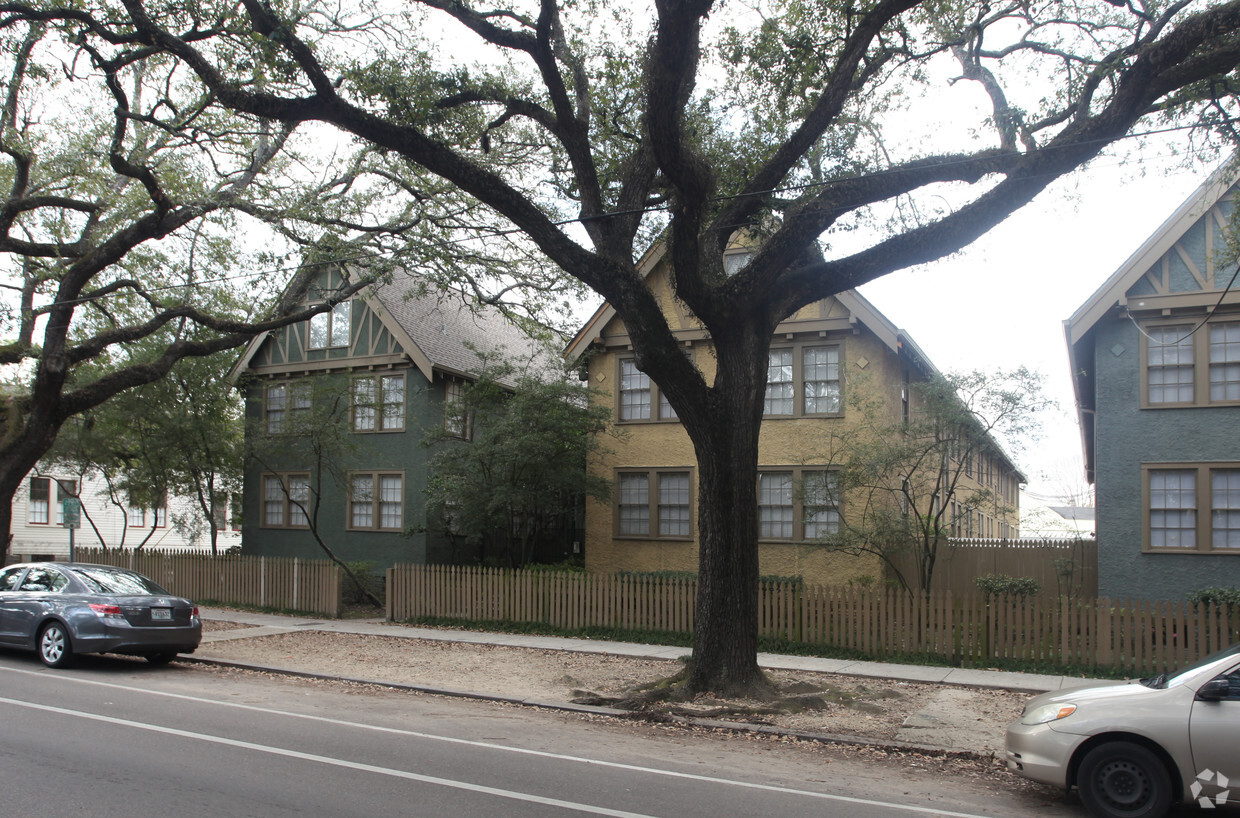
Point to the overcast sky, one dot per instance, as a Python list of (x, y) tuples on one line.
[(1002, 302)]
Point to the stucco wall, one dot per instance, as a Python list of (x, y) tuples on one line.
[(784, 442), (1128, 436)]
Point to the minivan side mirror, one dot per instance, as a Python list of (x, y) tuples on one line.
[(1214, 690)]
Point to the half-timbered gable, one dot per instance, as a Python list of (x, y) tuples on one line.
[(1155, 358)]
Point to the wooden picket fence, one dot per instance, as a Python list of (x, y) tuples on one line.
[(311, 586), (1135, 637)]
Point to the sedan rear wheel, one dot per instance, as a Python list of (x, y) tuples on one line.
[(55, 647), (1124, 780)]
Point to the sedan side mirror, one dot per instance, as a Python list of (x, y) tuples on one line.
[(1215, 690)]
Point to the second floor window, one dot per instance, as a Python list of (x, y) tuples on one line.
[(803, 380), (1225, 361), (285, 404), (640, 398), (455, 412), (1169, 364), (379, 403)]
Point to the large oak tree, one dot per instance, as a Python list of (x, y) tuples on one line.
[(575, 131)]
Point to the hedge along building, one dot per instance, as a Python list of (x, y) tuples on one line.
[(338, 412), (828, 348)]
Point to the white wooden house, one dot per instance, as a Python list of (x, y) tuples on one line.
[(39, 532)]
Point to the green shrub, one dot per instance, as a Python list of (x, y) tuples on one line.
[(1216, 596), (1003, 585), (372, 581)]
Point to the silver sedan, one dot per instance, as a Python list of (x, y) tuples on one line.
[(1134, 748), (62, 609)]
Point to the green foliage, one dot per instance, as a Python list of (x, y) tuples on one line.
[(180, 436), (906, 481), (364, 584), (1215, 596), (1004, 585), (523, 474)]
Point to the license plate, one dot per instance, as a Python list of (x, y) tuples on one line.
[(161, 614)]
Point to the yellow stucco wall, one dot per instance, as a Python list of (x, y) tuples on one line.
[(871, 369)]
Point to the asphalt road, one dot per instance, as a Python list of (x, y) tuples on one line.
[(117, 737)]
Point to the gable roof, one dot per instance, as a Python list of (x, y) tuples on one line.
[(859, 309), (1114, 290), (1078, 329), (437, 328)]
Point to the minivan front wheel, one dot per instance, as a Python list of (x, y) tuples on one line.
[(55, 647), (1120, 779)]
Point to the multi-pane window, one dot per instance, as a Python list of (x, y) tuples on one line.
[(821, 373), (1173, 508), (275, 407), (775, 505), (286, 500), (803, 380), (39, 504), (379, 403), (135, 516), (376, 501), (455, 412), (639, 397), (634, 511), (331, 328), (779, 383), (634, 392), (1169, 364), (674, 504), (1225, 361), (1192, 507), (822, 513), (1225, 508), (663, 498), (798, 504)]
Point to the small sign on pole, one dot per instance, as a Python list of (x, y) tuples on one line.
[(72, 512)]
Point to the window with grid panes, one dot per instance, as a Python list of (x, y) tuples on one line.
[(1225, 361), (822, 515), (376, 501), (634, 508), (820, 371), (1173, 508), (1169, 364), (1225, 508), (779, 383), (775, 505), (674, 504), (634, 392)]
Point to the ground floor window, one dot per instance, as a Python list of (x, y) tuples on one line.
[(1192, 507), (376, 501), (655, 503), (286, 500)]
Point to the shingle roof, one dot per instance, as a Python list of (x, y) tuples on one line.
[(448, 330)]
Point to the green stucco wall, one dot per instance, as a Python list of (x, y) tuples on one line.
[(1128, 436)]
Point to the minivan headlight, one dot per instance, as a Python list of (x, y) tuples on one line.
[(1046, 713)]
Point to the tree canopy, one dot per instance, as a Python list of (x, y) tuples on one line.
[(551, 141)]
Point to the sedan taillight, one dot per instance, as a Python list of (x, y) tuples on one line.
[(106, 610)]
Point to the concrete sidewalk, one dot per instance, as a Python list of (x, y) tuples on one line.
[(269, 624)]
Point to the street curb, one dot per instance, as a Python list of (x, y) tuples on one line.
[(716, 725)]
